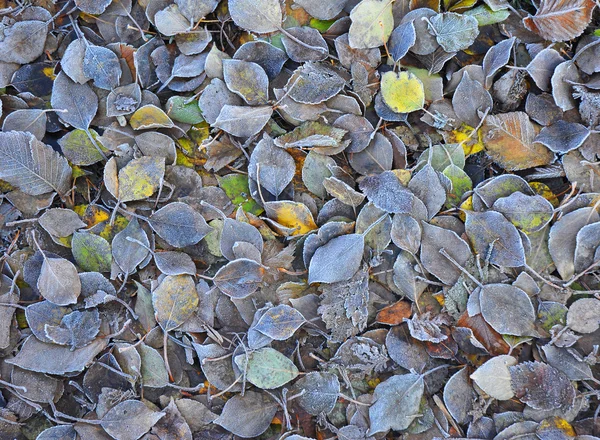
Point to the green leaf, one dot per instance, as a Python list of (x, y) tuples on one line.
[(237, 189), (267, 368), (182, 109), (91, 252)]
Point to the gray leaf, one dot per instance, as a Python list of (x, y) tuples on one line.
[(433, 241), (320, 392), (32, 166), (58, 359), (280, 322), (491, 228), (562, 240), (243, 121), (387, 193), (507, 309), (79, 101), (260, 16), (102, 65), (562, 136), (129, 420), (396, 403), (454, 31), (272, 167), (128, 254), (179, 225), (337, 260), (401, 40), (23, 42), (249, 415), (469, 99)]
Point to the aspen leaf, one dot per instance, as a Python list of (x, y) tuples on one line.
[(403, 92)]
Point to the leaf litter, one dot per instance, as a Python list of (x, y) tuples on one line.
[(302, 219)]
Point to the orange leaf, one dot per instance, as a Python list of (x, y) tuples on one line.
[(395, 313)]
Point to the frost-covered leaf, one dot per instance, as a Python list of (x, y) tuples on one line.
[(494, 377), (58, 359), (541, 386), (396, 403), (454, 31), (387, 192), (174, 300), (32, 166), (140, 178), (343, 306), (23, 41), (272, 167), (247, 416), (280, 322), (179, 224), (58, 281), (562, 137), (267, 368), (239, 278), (560, 20), (372, 24), (78, 102), (102, 65), (338, 260), (243, 121), (320, 392), (436, 239), (509, 139), (129, 420), (262, 16), (490, 232), (507, 309), (91, 252)]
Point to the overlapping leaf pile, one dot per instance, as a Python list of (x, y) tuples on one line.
[(303, 219)]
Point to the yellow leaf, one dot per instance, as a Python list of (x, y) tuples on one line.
[(462, 5), (292, 215), (403, 92), (150, 116), (92, 214), (140, 178), (544, 190), (471, 145), (467, 205), (551, 425), (403, 176)]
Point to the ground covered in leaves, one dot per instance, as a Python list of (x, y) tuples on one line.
[(307, 219)]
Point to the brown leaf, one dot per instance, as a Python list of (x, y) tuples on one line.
[(489, 338), (560, 20), (509, 140)]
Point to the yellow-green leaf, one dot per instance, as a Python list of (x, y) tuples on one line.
[(140, 178), (150, 116), (174, 301)]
